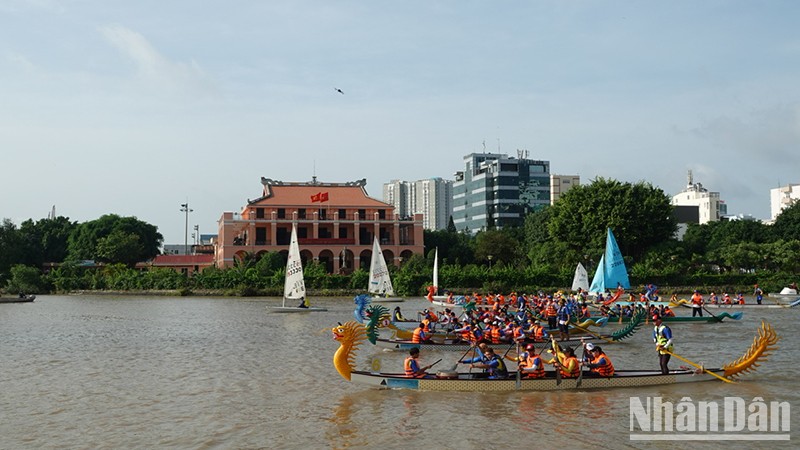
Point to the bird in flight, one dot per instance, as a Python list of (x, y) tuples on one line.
[(339, 90)]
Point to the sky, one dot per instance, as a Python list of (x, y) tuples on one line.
[(136, 107)]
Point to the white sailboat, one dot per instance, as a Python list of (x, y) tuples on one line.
[(294, 288), (581, 279), (439, 302), (380, 283)]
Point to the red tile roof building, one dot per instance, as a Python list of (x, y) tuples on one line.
[(336, 223)]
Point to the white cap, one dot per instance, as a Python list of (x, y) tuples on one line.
[(590, 346)]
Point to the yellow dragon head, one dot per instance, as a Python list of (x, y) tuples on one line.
[(350, 335), (763, 344)]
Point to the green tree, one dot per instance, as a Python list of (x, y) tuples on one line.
[(639, 214), (498, 246), (121, 247), (26, 279), (787, 224), (84, 239), (11, 249)]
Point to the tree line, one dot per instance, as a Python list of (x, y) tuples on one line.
[(541, 255)]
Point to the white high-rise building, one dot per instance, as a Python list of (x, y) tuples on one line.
[(710, 207), (780, 198), (433, 198)]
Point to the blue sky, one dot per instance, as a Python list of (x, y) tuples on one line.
[(136, 107)]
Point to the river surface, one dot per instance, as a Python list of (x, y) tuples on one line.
[(107, 372)]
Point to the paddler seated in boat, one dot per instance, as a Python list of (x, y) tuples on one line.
[(740, 299), (304, 303), (529, 363), (397, 316), (420, 335), (492, 364), (567, 363), (412, 368), (668, 312), (597, 361), (537, 332)]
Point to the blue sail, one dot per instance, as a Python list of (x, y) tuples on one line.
[(598, 282), (611, 272), (616, 273)]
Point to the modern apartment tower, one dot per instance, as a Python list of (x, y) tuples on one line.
[(432, 198), (496, 191)]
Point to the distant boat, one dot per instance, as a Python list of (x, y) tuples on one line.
[(380, 282), (611, 272), (294, 288), (24, 299), (581, 279)]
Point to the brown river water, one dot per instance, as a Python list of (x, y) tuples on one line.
[(103, 372)]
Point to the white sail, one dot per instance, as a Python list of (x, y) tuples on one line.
[(379, 281), (436, 272), (294, 288), (581, 279)]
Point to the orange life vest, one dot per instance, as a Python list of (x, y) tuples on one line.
[(605, 370), (570, 361), (409, 371), (416, 338), (528, 362)]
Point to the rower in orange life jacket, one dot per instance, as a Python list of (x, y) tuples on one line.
[(568, 363), (598, 362), (697, 304), (419, 336), (411, 365), (740, 298), (529, 363)]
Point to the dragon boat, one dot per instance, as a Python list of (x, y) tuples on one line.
[(710, 318), (454, 344), (351, 334)]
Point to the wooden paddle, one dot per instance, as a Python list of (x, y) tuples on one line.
[(557, 366), (696, 365), (580, 368), (519, 369), (593, 334)]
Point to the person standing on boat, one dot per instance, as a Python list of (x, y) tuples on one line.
[(563, 320), (662, 336), (697, 304), (412, 368), (759, 294)]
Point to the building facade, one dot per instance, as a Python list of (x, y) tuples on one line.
[(336, 223), (432, 198), (562, 183), (780, 198), (496, 191), (710, 207)]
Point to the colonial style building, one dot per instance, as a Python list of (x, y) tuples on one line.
[(336, 223)]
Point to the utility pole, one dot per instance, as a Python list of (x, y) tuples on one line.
[(185, 209)]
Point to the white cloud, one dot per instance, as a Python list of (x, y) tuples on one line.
[(152, 67)]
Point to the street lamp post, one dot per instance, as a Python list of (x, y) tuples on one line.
[(185, 209)]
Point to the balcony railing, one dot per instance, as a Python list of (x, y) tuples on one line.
[(326, 241)]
